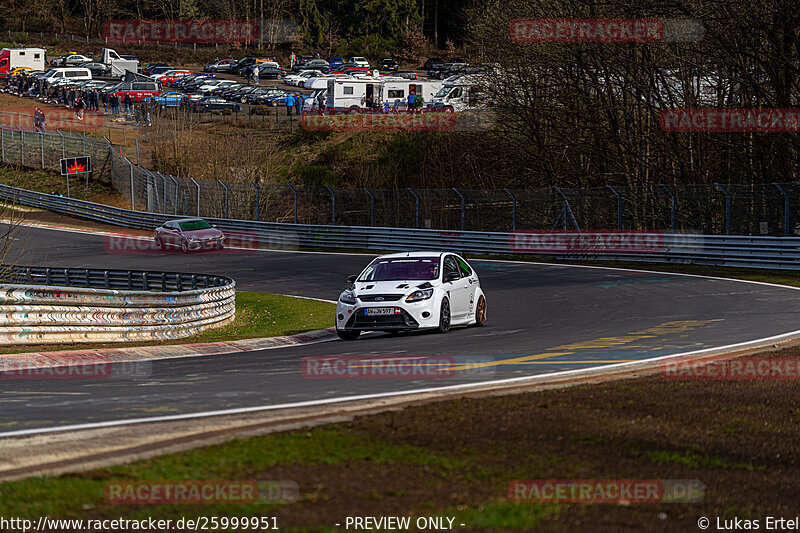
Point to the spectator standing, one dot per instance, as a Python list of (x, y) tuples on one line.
[(412, 96), (289, 104), (298, 104), (255, 75), (128, 104), (79, 108), (104, 98)]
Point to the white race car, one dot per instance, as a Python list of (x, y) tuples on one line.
[(409, 291)]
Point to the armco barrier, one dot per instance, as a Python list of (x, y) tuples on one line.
[(40, 305), (741, 251)]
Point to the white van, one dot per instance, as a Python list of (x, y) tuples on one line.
[(461, 93), (55, 75)]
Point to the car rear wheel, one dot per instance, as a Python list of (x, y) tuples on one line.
[(444, 317), (480, 312), (348, 334)]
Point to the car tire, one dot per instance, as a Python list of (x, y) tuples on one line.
[(348, 334), (444, 317), (480, 312)]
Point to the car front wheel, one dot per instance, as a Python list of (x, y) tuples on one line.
[(348, 334), (444, 317)]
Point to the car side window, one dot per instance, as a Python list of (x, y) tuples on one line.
[(450, 265), (463, 267)]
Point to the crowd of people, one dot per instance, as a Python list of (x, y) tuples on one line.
[(77, 99)]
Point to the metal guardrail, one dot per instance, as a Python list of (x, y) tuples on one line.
[(41, 305), (740, 251)]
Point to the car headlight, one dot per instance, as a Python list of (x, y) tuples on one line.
[(420, 295), (347, 297), (192, 239)]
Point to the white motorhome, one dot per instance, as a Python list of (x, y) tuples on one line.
[(361, 93), (118, 65), (461, 93), (11, 58)]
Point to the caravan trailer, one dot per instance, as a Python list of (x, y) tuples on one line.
[(461, 93), (364, 93)]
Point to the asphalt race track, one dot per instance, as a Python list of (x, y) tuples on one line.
[(541, 319)]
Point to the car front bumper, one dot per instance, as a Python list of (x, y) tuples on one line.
[(405, 316)]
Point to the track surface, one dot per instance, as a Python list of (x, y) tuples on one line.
[(542, 319)]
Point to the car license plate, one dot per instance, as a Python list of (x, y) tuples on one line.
[(378, 311)]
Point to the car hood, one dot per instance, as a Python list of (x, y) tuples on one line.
[(208, 233), (390, 287)]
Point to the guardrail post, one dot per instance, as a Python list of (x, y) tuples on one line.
[(106, 280), (84, 141), (513, 210), (294, 191), (619, 206), (463, 209), (133, 201), (671, 206), (63, 145), (227, 197), (3, 144), (786, 211), (137, 151), (371, 207), (198, 195), (258, 199), (333, 205), (41, 147), (416, 206), (727, 207), (144, 282)]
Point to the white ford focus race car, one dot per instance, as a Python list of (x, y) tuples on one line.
[(409, 291)]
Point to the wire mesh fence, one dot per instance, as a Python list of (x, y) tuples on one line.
[(709, 209)]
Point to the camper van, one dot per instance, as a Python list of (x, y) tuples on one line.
[(56, 75), (11, 58), (460, 93), (363, 93)]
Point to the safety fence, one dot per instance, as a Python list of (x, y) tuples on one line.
[(41, 305), (741, 251), (707, 209)]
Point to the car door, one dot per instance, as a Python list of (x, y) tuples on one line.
[(471, 278), (458, 289)]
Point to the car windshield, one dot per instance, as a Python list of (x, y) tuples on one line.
[(191, 225), (402, 268)]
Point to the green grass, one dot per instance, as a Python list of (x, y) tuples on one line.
[(258, 315), (70, 496)]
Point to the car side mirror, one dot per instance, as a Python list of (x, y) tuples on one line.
[(452, 276), (352, 279)]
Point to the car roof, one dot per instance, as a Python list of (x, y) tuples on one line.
[(413, 254)]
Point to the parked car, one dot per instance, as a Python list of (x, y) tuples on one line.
[(389, 65), (432, 62), (171, 75), (242, 65), (215, 103), (255, 96), (148, 69), (189, 234), (305, 75), (359, 62), (210, 85), (137, 90), (185, 81), (312, 64), (159, 70), (352, 71), (406, 75), (171, 99), (241, 94), (70, 60), (223, 65), (97, 69), (277, 99), (335, 61), (218, 91)]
